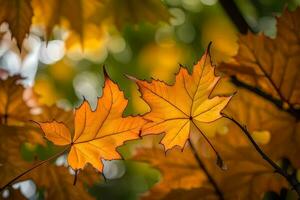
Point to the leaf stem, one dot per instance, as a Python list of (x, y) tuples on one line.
[(290, 178), (208, 175), (75, 177), (32, 168)]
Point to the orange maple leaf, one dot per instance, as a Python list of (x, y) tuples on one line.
[(175, 109), (97, 133)]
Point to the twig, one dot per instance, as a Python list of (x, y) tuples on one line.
[(32, 168), (208, 175), (290, 178), (236, 16)]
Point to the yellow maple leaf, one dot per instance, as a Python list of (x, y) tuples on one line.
[(175, 109), (97, 133)]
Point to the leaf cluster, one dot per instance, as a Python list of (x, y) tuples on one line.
[(264, 72), (76, 15)]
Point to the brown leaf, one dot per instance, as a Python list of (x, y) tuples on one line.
[(13, 108), (52, 12), (16, 106), (272, 65), (11, 162), (271, 68), (18, 14), (49, 113)]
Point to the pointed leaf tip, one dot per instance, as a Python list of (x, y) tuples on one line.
[(105, 74), (209, 46)]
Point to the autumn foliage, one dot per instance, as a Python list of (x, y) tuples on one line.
[(230, 131), (97, 133)]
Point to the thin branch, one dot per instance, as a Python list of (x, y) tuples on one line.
[(235, 15), (278, 103), (290, 178), (32, 168), (205, 170)]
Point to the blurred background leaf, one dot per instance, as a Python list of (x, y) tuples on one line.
[(140, 38)]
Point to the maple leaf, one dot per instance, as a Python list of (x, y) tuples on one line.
[(13, 109), (270, 68), (16, 106), (97, 133), (176, 108), (18, 14), (271, 65), (15, 128), (247, 176)]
